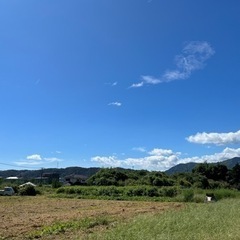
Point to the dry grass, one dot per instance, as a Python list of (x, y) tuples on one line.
[(21, 216)]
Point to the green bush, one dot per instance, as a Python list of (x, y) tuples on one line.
[(188, 195), (152, 192), (168, 192), (27, 190), (56, 184), (198, 198), (225, 193), (108, 191)]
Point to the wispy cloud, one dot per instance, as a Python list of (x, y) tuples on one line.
[(215, 138), (117, 104), (137, 85), (112, 84), (163, 159), (37, 159), (34, 157), (139, 149), (53, 159), (146, 80), (150, 80), (193, 57)]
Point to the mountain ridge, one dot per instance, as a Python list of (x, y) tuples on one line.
[(188, 167), (88, 172)]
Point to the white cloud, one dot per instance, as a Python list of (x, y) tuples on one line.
[(112, 84), (118, 104), (163, 159), (53, 159), (192, 58), (146, 80), (34, 157), (107, 161), (153, 161), (150, 80), (161, 152), (137, 85), (227, 153), (139, 149), (215, 138)]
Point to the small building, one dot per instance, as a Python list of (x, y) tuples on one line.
[(27, 184), (76, 179), (12, 178)]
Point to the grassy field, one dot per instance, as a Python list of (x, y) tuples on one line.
[(44, 217), (212, 221)]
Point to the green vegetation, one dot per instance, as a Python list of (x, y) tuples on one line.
[(216, 221), (27, 190), (145, 193), (126, 184), (204, 175), (62, 227), (119, 193)]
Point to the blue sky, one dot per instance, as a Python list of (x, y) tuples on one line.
[(143, 84)]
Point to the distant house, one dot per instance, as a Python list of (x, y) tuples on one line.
[(28, 184), (47, 178), (51, 177), (76, 179), (12, 178)]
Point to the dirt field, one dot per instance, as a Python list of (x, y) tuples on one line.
[(20, 216)]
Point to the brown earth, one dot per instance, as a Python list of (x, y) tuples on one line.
[(20, 216)]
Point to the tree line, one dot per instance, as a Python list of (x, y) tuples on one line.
[(204, 175)]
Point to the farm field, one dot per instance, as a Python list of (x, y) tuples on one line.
[(210, 221), (60, 218)]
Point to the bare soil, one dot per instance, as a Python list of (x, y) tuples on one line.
[(19, 216)]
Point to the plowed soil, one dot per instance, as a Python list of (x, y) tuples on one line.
[(19, 216)]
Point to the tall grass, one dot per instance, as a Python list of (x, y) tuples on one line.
[(213, 221)]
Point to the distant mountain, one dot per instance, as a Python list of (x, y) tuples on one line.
[(188, 167), (29, 174), (230, 163), (181, 168)]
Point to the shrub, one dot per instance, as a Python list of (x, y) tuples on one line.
[(60, 190), (188, 195), (152, 192), (108, 191), (198, 198), (56, 184), (225, 193), (27, 191), (168, 192)]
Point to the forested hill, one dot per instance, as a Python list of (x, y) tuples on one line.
[(188, 167), (37, 173)]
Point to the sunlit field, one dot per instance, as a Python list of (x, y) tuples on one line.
[(213, 221), (45, 217)]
